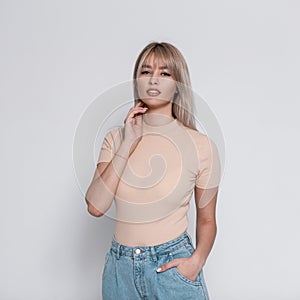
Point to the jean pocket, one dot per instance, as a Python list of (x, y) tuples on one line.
[(184, 252), (190, 248)]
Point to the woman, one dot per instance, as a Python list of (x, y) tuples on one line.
[(151, 166)]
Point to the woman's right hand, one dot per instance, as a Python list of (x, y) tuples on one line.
[(133, 124), (103, 188)]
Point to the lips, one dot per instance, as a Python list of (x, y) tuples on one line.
[(153, 92)]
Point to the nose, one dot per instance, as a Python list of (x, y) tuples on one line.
[(153, 80)]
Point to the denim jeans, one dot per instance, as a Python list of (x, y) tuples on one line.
[(130, 272)]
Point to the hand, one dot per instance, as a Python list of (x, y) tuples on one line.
[(133, 124), (189, 267)]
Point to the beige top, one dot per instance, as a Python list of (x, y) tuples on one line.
[(153, 195)]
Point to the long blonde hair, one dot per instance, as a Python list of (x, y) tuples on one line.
[(183, 103)]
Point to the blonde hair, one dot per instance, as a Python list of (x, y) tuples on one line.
[(183, 102)]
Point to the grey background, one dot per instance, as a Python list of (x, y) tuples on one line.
[(57, 56)]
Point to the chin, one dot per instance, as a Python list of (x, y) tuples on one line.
[(154, 103)]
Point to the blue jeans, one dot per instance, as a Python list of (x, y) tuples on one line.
[(130, 272)]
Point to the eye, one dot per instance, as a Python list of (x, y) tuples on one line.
[(145, 72), (166, 74)]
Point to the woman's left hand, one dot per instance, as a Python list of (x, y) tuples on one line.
[(187, 266)]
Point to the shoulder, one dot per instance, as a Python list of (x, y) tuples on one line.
[(201, 140), (114, 135)]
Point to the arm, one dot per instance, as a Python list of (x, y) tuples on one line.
[(206, 193), (103, 187), (206, 232), (101, 192), (206, 227), (205, 199)]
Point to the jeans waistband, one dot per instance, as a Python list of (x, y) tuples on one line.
[(138, 251)]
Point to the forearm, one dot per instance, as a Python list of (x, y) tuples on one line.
[(205, 237), (102, 190)]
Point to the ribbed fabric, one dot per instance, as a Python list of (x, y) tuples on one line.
[(153, 195)]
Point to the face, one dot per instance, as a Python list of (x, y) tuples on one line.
[(155, 83)]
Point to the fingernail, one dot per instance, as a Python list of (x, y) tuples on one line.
[(145, 108), (158, 269)]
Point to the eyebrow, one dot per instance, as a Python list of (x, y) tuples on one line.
[(149, 67)]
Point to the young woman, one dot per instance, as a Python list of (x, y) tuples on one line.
[(151, 166)]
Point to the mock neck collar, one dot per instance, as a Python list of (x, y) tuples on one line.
[(158, 122)]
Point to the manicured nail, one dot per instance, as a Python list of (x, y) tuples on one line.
[(158, 269)]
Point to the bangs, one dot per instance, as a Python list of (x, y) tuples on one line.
[(161, 58), (166, 55)]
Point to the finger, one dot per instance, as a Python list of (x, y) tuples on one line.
[(171, 264), (140, 108), (139, 120), (137, 111), (132, 113), (139, 104)]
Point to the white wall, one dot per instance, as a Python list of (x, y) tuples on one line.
[(57, 56)]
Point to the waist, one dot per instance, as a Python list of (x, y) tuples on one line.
[(154, 233), (160, 249)]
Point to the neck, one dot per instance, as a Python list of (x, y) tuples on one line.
[(157, 118), (165, 110)]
